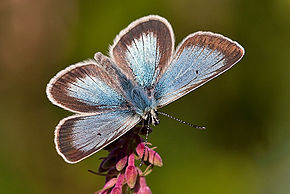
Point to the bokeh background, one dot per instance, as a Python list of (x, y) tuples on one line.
[(246, 147)]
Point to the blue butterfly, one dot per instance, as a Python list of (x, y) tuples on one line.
[(143, 73)]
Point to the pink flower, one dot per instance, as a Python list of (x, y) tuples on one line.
[(108, 185), (140, 151), (121, 163), (131, 172), (154, 158), (119, 184), (120, 168), (141, 187)]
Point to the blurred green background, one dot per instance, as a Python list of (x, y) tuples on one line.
[(246, 147)]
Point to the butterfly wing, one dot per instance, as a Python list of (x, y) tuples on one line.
[(97, 90), (200, 57), (79, 136), (90, 86), (143, 49)]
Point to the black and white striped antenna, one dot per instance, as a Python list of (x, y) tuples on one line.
[(181, 121)]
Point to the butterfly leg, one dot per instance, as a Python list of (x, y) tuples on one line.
[(148, 130)]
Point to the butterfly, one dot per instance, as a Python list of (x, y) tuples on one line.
[(110, 95)]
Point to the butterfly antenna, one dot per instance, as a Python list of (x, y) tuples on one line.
[(181, 121), (145, 145)]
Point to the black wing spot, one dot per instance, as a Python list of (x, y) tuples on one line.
[(99, 134), (196, 71)]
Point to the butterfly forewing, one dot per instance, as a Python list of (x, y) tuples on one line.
[(89, 86), (201, 57), (143, 49), (80, 136)]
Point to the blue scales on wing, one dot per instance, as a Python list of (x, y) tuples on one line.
[(90, 86), (200, 57), (143, 49), (80, 136), (98, 91)]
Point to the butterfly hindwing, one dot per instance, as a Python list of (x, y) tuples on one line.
[(79, 136), (89, 86), (143, 49), (200, 57)]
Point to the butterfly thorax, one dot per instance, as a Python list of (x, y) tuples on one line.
[(144, 104)]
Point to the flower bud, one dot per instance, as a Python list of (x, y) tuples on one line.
[(108, 185), (119, 184), (121, 163), (116, 190), (131, 171), (154, 158), (142, 187), (140, 151)]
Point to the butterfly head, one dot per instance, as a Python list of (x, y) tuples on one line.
[(151, 117)]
